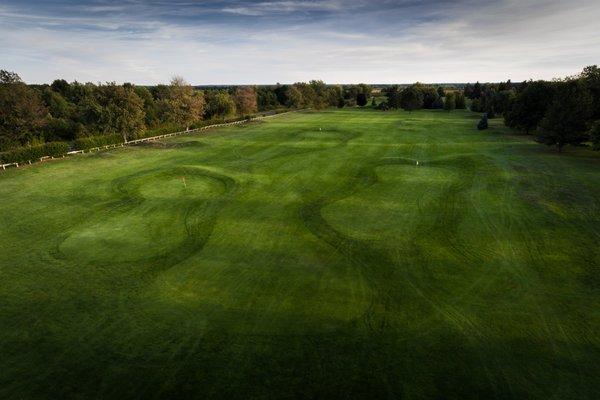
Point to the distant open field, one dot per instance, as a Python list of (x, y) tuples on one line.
[(307, 256)]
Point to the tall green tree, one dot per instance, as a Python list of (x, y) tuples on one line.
[(460, 101), (183, 105), (321, 94), (219, 104), (309, 95), (335, 96), (295, 98), (476, 91), (393, 96), (591, 78), (22, 111), (502, 101), (566, 119), (430, 95), (530, 105), (449, 102), (150, 107), (411, 99), (122, 111), (594, 134), (58, 106), (266, 99)]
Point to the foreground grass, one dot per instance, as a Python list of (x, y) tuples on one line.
[(308, 256)]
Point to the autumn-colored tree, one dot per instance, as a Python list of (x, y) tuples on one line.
[(245, 100), (122, 110), (181, 103), (22, 112), (295, 99)]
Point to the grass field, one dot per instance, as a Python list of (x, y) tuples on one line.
[(305, 257)]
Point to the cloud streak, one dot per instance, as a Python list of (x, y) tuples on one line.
[(237, 42)]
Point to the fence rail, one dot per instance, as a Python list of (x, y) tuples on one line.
[(149, 139)]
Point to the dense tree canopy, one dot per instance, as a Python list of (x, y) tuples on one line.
[(450, 102), (530, 105), (411, 98), (219, 104), (559, 112), (245, 100), (182, 105), (122, 111), (567, 117), (22, 111)]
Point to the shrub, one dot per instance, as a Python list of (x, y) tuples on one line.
[(34, 153), (90, 142), (164, 129), (383, 106), (460, 101), (483, 123), (449, 102), (595, 135), (361, 99)]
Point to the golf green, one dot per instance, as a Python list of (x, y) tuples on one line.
[(338, 254)]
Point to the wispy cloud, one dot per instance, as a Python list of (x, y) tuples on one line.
[(277, 7), (263, 42)]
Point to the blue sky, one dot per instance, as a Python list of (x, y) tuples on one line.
[(351, 41)]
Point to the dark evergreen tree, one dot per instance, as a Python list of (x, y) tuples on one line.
[(361, 99), (393, 96), (594, 134), (476, 105), (591, 77), (566, 119), (449, 102), (460, 101), (61, 87), (476, 92), (468, 90), (411, 98), (530, 105), (438, 104), (430, 95), (483, 123), (281, 92)]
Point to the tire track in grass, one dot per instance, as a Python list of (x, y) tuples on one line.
[(376, 267), (199, 220), (198, 216)]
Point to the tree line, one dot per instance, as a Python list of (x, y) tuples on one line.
[(558, 112), (96, 114), (418, 96)]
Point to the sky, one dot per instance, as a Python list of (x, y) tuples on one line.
[(263, 42)]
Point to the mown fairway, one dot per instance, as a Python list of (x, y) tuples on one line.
[(278, 260)]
